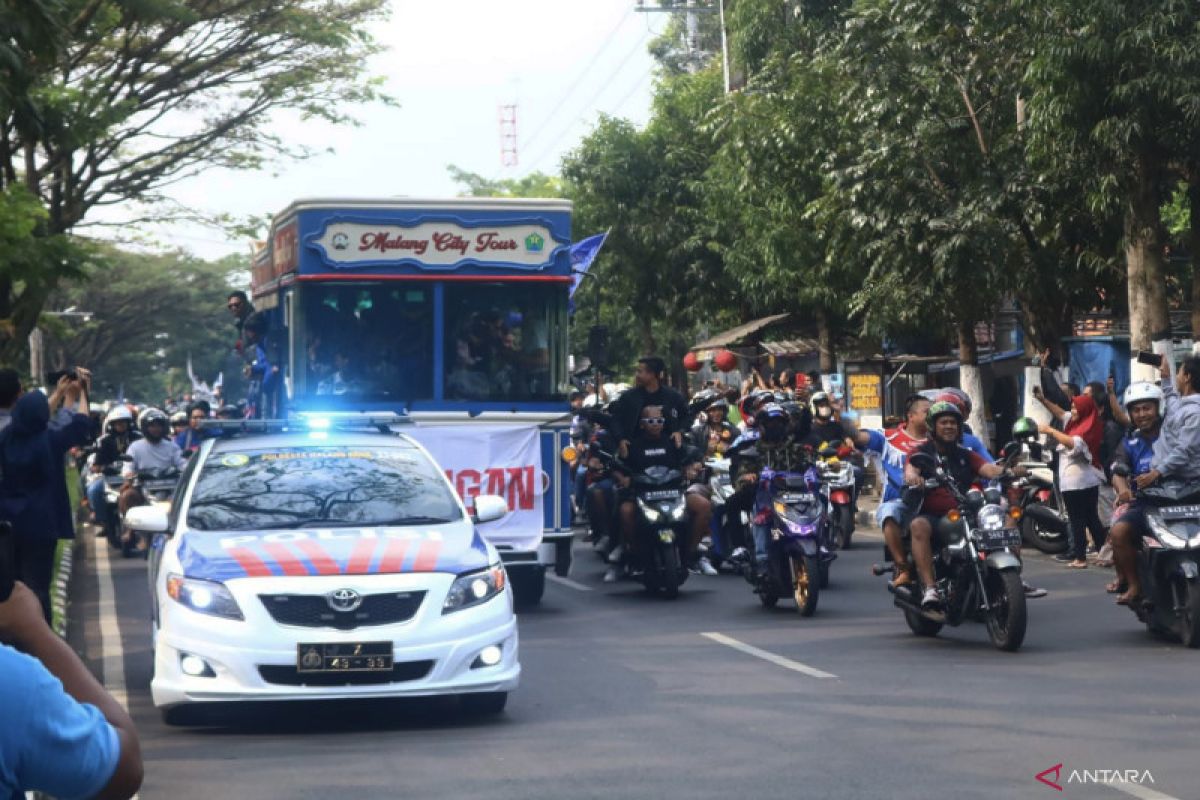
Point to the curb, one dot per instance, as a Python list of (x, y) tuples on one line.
[(61, 585)]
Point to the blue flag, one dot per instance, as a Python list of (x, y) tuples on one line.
[(583, 253)]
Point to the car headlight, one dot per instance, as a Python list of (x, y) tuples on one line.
[(206, 597), (1164, 534), (651, 514), (474, 588)]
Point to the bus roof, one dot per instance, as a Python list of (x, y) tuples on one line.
[(416, 203)]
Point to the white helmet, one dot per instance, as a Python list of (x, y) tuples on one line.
[(1141, 391), (118, 412)]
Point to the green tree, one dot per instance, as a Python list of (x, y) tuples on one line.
[(142, 95), (535, 184)]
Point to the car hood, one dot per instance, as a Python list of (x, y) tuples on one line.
[(224, 556)]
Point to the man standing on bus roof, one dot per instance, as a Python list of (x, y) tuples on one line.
[(239, 305), (649, 391)]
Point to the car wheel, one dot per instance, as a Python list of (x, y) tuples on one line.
[(483, 703), (528, 586)]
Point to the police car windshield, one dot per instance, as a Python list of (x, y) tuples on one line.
[(304, 487)]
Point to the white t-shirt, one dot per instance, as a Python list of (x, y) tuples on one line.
[(163, 454), (1075, 468)]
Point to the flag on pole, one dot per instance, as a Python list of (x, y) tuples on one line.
[(583, 253)]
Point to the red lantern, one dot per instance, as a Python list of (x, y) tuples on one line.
[(725, 361), (691, 363)]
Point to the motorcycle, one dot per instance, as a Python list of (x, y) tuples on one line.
[(728, 526), (1043, 521), (798, 548), (838, 475), (1169, 561), (157, 486), (976, 570)]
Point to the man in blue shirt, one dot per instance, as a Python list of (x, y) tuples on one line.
[(61, 733), (1143, 403)]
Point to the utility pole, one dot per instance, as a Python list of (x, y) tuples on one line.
[(508, 135), (692, 10), (37, 343)]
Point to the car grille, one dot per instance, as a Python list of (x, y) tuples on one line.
[(313, 610), (290, 676)]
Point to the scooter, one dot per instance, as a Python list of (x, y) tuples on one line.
[(977, 569), (728, 526), (157, 486), (794, 506), (838, 475), (1169, 561)]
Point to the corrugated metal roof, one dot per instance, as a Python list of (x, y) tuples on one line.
[(791, 347), (735, 335)]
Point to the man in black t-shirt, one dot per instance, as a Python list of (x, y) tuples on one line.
[(627, 409)]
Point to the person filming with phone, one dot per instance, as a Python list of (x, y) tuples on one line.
[(63, 734)]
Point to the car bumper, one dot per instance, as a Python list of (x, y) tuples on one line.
[(433, 654)]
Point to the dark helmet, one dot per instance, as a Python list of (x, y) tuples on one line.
[(772, 420), (794, 411), (943, 408), (720, 403), (753, 401), (702, 401), (150, 416), (1024, 428)]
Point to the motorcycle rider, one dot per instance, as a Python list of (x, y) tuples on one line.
[(969, 440), (1143, 404), (627, 410), (655, 448), (780, 446), (893, 448), (713, 435), (153, 451), (118, 435), (963, 466)]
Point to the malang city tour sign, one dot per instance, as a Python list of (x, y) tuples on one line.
[(443, 245)]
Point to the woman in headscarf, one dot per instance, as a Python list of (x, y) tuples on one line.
[(1080, 475)]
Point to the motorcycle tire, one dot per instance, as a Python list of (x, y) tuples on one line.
[(806, 584), (1006, 621), (1030, 532), (921, 626), (844, 527), (1189, 615), (824, 571), (670, 578), (767, 599)]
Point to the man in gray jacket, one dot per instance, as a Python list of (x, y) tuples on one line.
[(1177, 451)]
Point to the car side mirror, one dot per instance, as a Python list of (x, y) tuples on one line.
[(150, 519), (488, 508)]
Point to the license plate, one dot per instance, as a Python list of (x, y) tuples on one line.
[(666, 494), (1181, 512), (797, 498), (999, 539), (344, 657)]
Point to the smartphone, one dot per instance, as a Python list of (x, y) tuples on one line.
[(1153, 359), (8, 562)]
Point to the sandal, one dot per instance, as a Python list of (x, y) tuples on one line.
[(1117, 587), (1132, 602), (1078, 565)]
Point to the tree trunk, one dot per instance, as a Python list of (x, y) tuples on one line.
[(825, 343), (970, 379), (1194, 247), (1149, 318), (649, 344)]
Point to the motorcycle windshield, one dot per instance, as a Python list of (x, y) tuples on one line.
[(658, 476)]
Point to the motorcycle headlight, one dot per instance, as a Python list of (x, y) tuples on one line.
[(992, 518), (1164, 534), (474, 588), (679, 511), (206, 597), (651, 513)]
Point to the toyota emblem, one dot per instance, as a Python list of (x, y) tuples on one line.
[(344, 600)]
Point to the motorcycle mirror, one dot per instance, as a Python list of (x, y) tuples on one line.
[(923, 463)]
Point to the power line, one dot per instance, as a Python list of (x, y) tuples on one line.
[(578, 78), (587, 107)]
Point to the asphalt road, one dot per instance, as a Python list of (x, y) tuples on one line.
[(627, 696)]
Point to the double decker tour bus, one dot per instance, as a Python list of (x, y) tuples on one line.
[(453, 313)]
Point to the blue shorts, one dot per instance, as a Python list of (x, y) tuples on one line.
[(892, 509), (1134, 515)]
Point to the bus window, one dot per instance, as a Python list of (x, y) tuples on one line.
[(368, 341), (502, 341)]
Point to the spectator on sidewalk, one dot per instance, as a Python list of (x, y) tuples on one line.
[(62, 733), (33, 480)]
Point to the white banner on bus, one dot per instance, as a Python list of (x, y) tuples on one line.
[(504, 460)]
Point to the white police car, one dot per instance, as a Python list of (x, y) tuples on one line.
[(318, 564)]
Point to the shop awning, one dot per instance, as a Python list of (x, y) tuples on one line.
[(735, 335), (784, 348)]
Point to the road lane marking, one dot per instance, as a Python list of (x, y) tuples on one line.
[(765, 655), (579, 587), (1139, 791), (112, 654)]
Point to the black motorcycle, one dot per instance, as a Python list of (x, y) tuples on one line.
[(157, 487), (976, 570), (1169, 560), (1043, 515)]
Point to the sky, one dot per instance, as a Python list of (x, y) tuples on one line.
[(450, 64)]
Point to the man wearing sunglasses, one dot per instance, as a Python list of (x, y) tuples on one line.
[(239, 305), (652, 447)]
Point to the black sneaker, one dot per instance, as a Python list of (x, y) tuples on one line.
[(1064, 558)]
